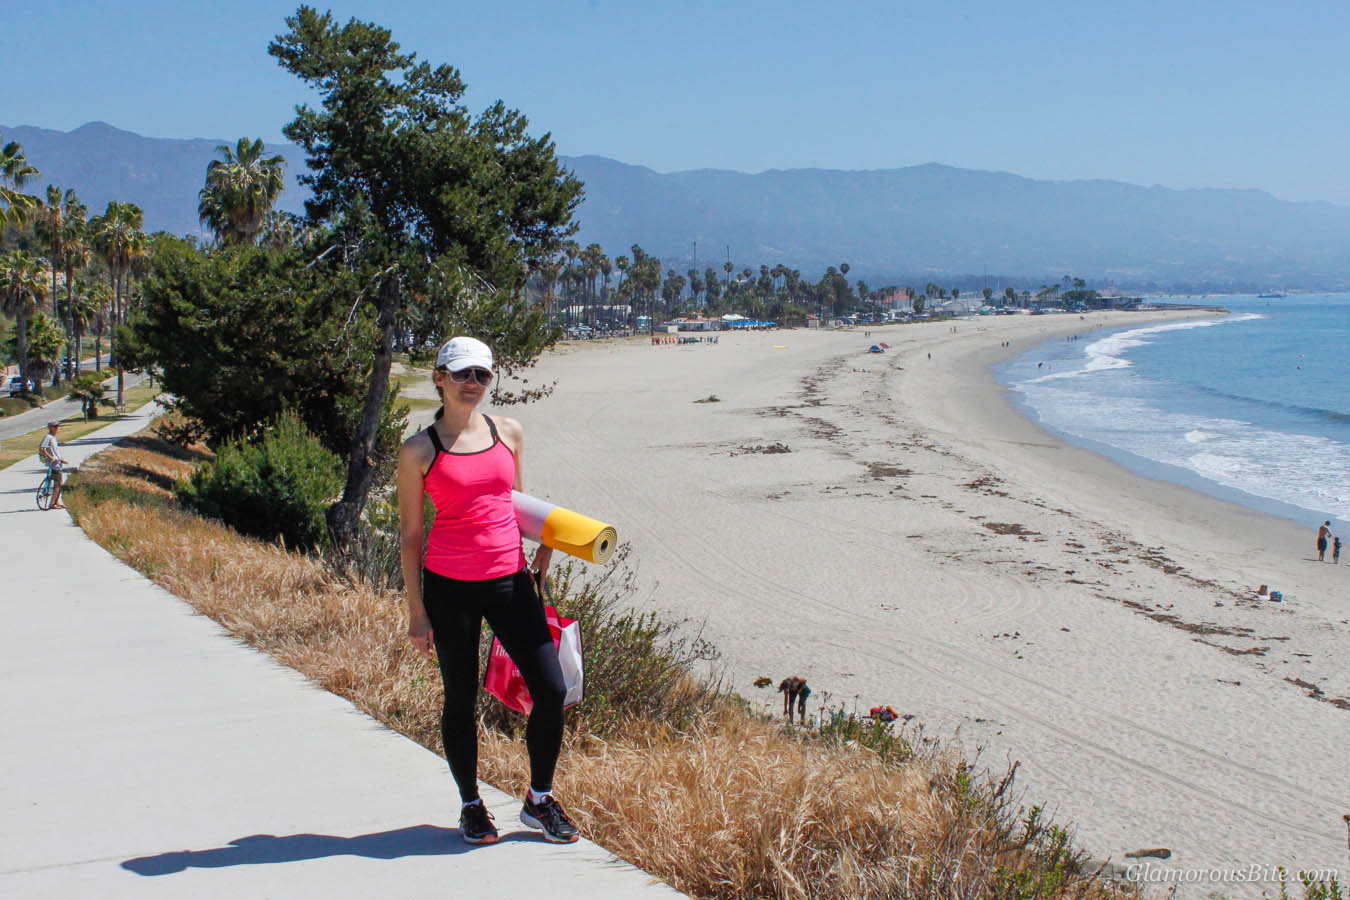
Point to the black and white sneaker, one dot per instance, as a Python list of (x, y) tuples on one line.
[(547, 815), (475, 824)]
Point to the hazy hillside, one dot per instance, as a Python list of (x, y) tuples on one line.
[(929, 219), (939, 219), (160, 175)]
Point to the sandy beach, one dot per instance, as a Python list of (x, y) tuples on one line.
[(923, 545)]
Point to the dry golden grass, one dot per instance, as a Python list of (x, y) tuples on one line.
[(733, 806)]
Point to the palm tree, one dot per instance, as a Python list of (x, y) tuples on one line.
[(606, 269), (24, 280), (622, 263), (15, 205), (48, 227), (80, 310), (101, 297), (74, 252), (282, 230), (44, 344), (590, 267), (59, 225), (240, 191), (549, 272), (118, 236), (89, 390)]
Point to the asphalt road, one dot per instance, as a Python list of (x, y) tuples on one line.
[(38, 416)]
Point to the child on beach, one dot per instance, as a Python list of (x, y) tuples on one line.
[(1336, 550)]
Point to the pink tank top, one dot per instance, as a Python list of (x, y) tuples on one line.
[(475, 536)]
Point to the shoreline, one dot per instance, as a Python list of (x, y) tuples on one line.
[(924, 544), (1151, 470), (1159, 487)]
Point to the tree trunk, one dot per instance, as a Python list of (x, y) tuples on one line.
[(343, 515), (71, 340), (56, 314), (112, 336), (21, 338)]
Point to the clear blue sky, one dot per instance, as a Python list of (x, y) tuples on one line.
[(1187, 93)]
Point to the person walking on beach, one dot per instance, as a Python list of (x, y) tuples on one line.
[(49, 451), (1336, 550), (1322, 534), (473, 569)]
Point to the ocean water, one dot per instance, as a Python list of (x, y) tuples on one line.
[(1252, 407)]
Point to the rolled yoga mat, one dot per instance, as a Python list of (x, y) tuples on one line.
[(562, 529)]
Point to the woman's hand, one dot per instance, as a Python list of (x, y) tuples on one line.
[(542, 557), (539, 569), (419, 632)]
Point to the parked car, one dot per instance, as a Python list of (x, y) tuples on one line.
[(16, 385)]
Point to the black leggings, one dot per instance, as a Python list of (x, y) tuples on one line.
[(516, 615)]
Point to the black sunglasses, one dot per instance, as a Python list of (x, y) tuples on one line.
[(482, 376)]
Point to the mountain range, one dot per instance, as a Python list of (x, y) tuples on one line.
[(905, 225)]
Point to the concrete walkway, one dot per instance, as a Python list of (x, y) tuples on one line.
[(146, 753)]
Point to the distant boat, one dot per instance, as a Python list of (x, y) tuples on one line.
[(1270, 296)]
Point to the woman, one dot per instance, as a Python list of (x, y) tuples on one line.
[(474, 568)]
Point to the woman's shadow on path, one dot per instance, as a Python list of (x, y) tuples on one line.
[(259, 849)]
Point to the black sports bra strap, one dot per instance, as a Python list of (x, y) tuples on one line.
[(491, 427), (436, 441)]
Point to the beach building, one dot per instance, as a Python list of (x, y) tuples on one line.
[(696, 323), (956, 307), (737, 322), (608, 314)]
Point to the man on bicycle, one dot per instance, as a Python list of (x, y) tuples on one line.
[(50, 453)]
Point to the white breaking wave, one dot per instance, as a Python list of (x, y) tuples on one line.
[(1303, 470), (1109, 352)]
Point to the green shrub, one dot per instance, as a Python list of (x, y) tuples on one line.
[(840, 729), (638, 667), (1054, 865), (278, 487), (1314, 887)]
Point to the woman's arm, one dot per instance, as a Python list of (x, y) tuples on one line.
[(411, 463), (514, 435)]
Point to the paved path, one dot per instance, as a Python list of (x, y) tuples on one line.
[(38, 416), (146, 753)]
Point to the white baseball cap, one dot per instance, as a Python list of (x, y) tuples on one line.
[(463, 353)]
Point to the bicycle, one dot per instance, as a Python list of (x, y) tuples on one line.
[(45, 491)]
